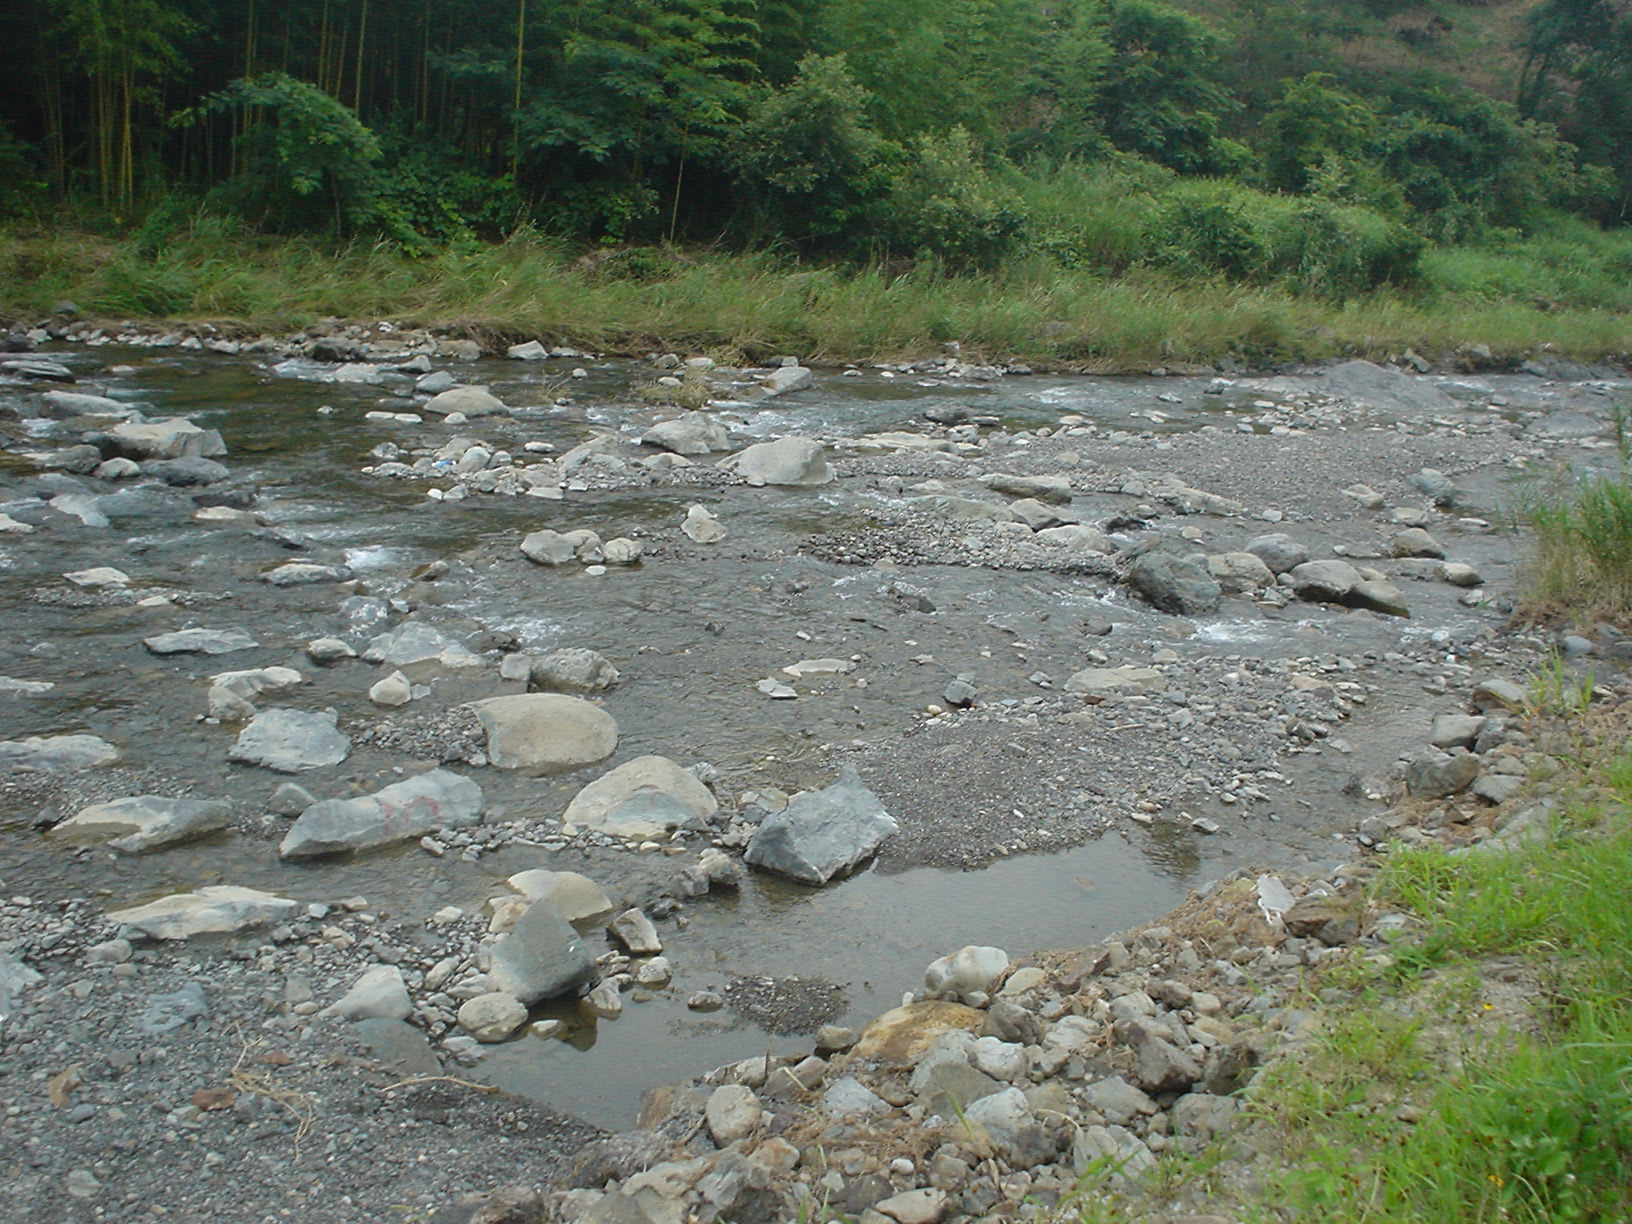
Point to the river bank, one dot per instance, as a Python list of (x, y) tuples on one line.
[(1478, 310), (1065, 631)]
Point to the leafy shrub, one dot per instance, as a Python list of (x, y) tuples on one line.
[(311, 160), (423, 182), (815, 166), (947, 204), (1309, 244)]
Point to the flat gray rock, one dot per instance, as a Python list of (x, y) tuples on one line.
[(412, 808), (821, 834), (67, 404), (146, 822), (291, 740), (416, 648), (379, 993), (1375, 386), (200, 641), (217, 909), (49, 753), (165, 1013)]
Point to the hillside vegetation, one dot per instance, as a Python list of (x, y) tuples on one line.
[(1456, 157)]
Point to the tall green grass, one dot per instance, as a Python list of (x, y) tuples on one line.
[(1582, 564)]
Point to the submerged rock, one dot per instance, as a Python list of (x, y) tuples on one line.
[(200, 641)]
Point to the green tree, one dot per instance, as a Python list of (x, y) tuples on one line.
[(308, 156), (124, 50), (816, 167), (1578, 74), (1160, 97), (1314, 121)]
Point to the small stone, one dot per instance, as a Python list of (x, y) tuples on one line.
[(702, 527), (635, 931), (924, 1206), (327, 651), (492, 1017)]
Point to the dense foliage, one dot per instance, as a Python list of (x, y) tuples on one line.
[(1250, 143)]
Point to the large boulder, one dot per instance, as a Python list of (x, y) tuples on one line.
[(541, 957), (795, 462), (572, 669), (174, 438), (621, 802), (1173, 583), (696, 434), (821, 834), (146, 822), (545, 733), (291, 740), (472, 402), (414, 807)]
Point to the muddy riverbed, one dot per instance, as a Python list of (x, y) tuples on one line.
[(1035, 808)]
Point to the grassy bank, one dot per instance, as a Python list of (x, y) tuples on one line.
[(1563, 297), (1484, 1071)]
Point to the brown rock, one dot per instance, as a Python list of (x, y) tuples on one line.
[(903, 1034), (1332, 920)]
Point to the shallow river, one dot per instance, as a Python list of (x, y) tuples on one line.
[(692, 630)]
